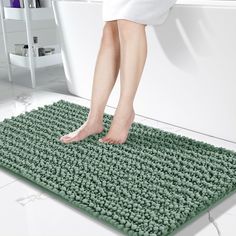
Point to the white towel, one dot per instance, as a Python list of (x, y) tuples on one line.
[(149, 12)]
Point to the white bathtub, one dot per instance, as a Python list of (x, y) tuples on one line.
[(189, 79)]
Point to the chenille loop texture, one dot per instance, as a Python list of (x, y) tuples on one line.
[(149, 186)]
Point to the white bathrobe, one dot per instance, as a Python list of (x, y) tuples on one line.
[(149, 12)]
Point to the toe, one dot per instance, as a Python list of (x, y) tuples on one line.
[(120, 141), (62, 137), (100, 140), (112, 141), (103, 139), (66, 137), (69, 138), (66, 140), (107, 140), (117, 141)]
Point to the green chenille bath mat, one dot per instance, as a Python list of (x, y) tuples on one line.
[(154, 184)]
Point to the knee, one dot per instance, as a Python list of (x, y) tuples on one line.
[(129, 28), (110, 32)]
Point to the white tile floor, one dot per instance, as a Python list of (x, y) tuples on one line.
[(29, 211)]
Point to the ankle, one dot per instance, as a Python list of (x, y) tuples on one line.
[(125, 109), (91, 120)]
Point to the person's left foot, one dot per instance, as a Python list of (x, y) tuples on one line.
[(119, 129)]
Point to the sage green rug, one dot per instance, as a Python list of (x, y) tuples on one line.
[(152, 185)]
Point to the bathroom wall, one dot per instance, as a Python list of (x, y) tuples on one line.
[(45, 30)]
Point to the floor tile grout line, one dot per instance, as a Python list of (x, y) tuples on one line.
[(212, 221), (3, 186)]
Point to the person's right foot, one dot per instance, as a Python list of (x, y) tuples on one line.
[(87, 129)]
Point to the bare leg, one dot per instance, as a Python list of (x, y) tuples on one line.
[(133, 56), (105, 75)]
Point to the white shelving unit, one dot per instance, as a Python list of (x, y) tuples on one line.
[(28, 15)]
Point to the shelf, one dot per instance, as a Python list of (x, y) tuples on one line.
[(44, 13), (27, 15), (42, 61)]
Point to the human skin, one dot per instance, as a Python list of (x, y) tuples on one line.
[(123, 47)]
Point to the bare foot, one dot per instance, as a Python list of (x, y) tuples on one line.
[(87, 129), (119, 129)]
